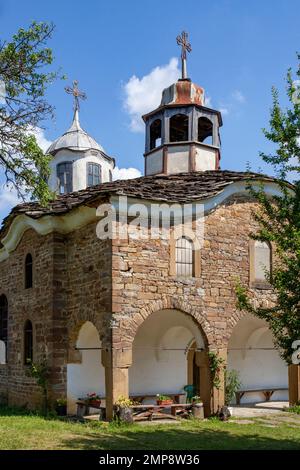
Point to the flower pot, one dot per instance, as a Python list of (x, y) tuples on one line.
[(95, 403), (164, 402), (61, 410)]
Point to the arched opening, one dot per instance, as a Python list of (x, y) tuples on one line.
[(179, 128), (3, 329), (184, 257), (161, 355), (89, 375), (155, 134), (28, 342), (251, 352), (28, 271), (205, 130)]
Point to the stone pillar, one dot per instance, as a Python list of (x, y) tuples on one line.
[(202, 362), (294, 383), (116, 363)]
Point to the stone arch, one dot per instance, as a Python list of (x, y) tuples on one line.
[(168, 303)]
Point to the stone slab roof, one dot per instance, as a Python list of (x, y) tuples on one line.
[(181, 188)]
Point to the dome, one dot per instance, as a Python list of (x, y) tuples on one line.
[(75, 139), (184, 91)]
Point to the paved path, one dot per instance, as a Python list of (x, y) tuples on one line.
[(252, 410)]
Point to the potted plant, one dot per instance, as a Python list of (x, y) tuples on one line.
[(61, 407), (196, 399), (163, 400), (92, 399), (123, 409)]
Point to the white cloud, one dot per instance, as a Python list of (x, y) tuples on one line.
[(144, 94), (41, 139), (126, 173), (224, 111), (238, 96)]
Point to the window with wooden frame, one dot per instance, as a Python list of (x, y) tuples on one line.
[(184, 257), (93, 174), (260, 263), (65, 177)]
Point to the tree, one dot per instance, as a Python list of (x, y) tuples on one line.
[(278, 221), (23, 107)]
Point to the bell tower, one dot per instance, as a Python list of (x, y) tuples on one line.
[(182, 134)]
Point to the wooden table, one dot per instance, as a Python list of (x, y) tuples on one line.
[(150, 412)]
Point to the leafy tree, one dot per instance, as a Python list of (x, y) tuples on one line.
[(278, 220), (23, 107), (40, 372)]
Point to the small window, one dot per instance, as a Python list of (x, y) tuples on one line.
[(205, 130), (262, 261), (28, 342), (155, 134), (179, 128), (3, 327), (93, 174), (65, 177), (184, 257), (28, 271)]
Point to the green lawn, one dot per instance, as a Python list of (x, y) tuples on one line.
[(23, 431)]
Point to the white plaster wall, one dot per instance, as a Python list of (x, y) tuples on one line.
[(205, 159), (154, 163), (154, 371), (178, 159), (89, 376), (258, 368), (80, 160)]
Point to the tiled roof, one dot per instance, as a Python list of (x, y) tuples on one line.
[(182, 188)]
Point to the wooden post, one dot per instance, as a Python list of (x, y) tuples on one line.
[(294, 384)]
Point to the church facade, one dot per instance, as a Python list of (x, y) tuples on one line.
[(119, 306)]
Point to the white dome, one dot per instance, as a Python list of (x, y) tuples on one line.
[(75, 139)]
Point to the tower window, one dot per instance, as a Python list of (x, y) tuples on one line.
[(155, 134), (28, 342), (262, 261), (179, 128), (28, 271), (184, 257), (3, 326), (205, 130), (65, 177), (93, 174)]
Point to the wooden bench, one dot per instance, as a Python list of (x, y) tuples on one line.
[(83, 409), (268, 392), (140, 397)]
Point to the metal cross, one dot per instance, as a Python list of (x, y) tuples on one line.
[(182, 40), (76, 93)]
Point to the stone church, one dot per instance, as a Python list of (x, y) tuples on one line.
[(128, 315)]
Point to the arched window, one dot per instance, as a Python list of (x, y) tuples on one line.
[(28, 342), (184, 257), (155, 134), (28, 271), (65, 177), (3, 325), (261, 262), (93, 174), (205, 130), (179, 128)]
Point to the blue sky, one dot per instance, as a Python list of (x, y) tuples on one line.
[(240, 49)]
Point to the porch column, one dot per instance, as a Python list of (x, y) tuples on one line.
[(202, 362), (219, 394), (294, 383), (116, 363)]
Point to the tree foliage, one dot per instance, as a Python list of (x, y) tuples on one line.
[(278, 220), (23, 72)]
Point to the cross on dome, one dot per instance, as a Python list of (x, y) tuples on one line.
[(76, 94), (182, 40)]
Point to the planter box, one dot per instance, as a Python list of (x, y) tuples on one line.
[(94, 403), (61, 410), (164, 402)]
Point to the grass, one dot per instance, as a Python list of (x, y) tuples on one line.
[(21, 430)]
